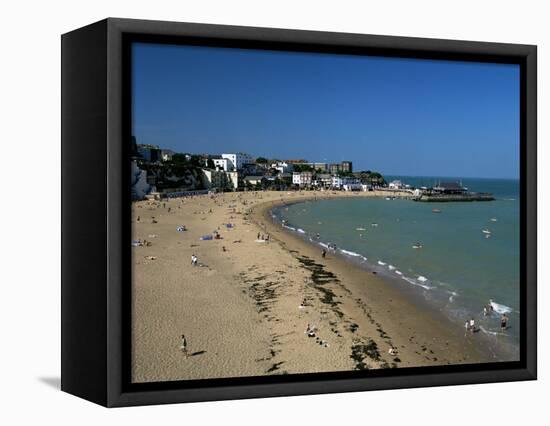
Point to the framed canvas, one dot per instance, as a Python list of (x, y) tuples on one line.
[(255, 212)]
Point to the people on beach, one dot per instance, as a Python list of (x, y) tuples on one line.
[(183, 346), (392, 351), (472, 325), (194, 260), (504, 322), (324, 253), (310, 330)]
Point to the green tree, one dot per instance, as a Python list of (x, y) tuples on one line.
[(261, 160), (179, 158)]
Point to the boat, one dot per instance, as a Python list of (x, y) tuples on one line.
[(360, 229), (374, 224), (436, 211), (493, 219), (485, 231), (417, 246)]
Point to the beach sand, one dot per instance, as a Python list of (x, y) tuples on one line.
[(240, 308)]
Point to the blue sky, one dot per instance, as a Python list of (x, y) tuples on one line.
[(397, 116)]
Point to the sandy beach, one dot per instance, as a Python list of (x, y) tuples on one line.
[(239, 308)]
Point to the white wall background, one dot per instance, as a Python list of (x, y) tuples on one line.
[(30, 210)]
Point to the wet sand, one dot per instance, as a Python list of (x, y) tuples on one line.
[(240, 307)]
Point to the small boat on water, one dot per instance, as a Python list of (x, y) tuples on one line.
[(493, 219), (374, 224), (417, 246), (360, 229), (486, 231), (436, 211)]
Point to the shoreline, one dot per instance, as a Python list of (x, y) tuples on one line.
[(491, 349), (240, 308), (436, 328)]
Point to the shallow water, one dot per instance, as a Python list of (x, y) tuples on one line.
[(457, 269)]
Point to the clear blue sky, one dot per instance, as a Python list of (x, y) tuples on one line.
[(397, 116)]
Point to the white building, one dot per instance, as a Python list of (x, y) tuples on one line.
[(323, 180), (352, 187), (236, 161), (302, 178), (222, 164), (166, 154), (343, 182), (396, 184), (282, 167), (253, 180)]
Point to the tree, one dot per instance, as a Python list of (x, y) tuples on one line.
[(179, 158), (210, 164), (261, 160), (197, 161), (302, 168)]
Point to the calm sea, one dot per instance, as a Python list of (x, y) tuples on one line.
[(458, 268)]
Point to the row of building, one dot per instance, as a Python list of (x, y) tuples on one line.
[(230, 171)]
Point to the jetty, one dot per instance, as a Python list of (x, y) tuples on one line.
[(449, 192)]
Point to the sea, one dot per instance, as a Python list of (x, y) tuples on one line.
[(457, 260)]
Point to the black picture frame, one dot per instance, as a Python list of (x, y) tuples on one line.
[(96, 209)]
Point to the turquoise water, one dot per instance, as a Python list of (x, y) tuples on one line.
[(457, 270)]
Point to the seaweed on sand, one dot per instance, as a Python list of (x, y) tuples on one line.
[(320, 277), (360, 351)]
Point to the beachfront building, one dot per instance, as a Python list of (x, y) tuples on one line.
[(302, 179), (322, 180), (238, 160), (346, 183), (220, 180), (395, 184), (356, 186)]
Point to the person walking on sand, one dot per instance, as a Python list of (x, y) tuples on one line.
[(504, 322), (194, 260), (183, 346), (472, 325), (324, 253)]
